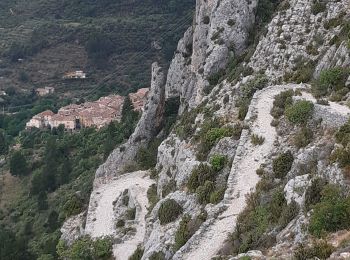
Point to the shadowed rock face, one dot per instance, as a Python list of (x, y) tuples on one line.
[(147, 128)]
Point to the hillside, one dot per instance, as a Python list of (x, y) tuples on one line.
[(242, 150), (113, 41)]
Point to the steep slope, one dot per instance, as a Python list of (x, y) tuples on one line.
[(261, 119)]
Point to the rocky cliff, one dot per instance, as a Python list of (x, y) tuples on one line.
[(263, 89)]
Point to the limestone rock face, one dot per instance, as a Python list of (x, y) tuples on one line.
[(176, 159), (220, 31), (147, 127), (73, 228), (160, 238), (292, 39), (295, 189), (333, 57)]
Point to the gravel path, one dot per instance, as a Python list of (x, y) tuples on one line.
[(243, 177), (101, 220)]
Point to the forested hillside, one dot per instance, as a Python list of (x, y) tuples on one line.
[(113, 41)]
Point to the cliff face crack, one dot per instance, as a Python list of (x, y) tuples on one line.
[(243, 178)]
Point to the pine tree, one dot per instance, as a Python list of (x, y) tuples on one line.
[(18, 164)]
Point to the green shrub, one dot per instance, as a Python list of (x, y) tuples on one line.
[(183, 233), (313, 192), (237, 131), (303, 72), (253, 85), (18, 164), (260, 171), (343, 134), (169, 211), (215, 134), (342, 156), (152, 196), (288, 213), (332, 213), (277, 203), (332, 79), (299, 112), (137, 255), (102, 248), (203, 192), (320, 250), (257, 140), (169, 188), (209, 135), (218, 162), (282, 164), (243, 109), (215, 78), (185, 127), (281, 101), (157, 256), (318, 7), (131, 213), (303, 137), (146, 157), (217, 195), (199, 176), (120, 223)]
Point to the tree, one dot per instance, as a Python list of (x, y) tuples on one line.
[(3, 144), (129, 117), (18, 164), (42, 200), (52, 221)]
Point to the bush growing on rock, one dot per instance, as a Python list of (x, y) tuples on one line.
[(281, 101), (218, 162), (320, 250), (318, 7), (131, 213), (210, 134), (332, 79), (288, 213), (168, 188), (203, 192), (157, 256), (313, 192), (169, 211), (146, 157), (303, 72), (343, 134), (257, 140), (152, 196), (186, 230), (282, 164), (303, 137), (299, 112), (137, 255), (332, 213), (199, 176), (254, 85), (217, 195)]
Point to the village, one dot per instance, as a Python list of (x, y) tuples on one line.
[(89, 114)]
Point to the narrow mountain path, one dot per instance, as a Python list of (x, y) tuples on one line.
[(101, 220), (243, 178)]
